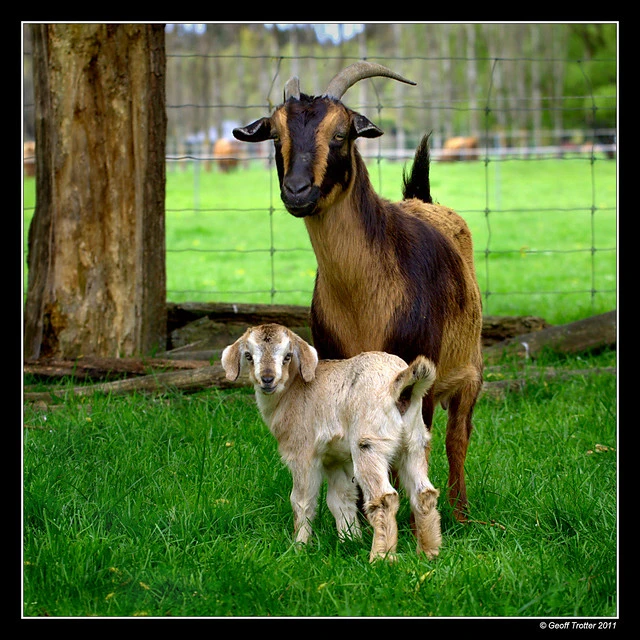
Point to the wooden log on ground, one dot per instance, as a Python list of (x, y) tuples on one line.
[(206, 377), (207, 328), (180, 314), (498, 388), (596, 332), (194, 374), (187, 381), (103, 368), (498, 328)]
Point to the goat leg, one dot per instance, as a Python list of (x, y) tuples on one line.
[(307, 480), (427, 522), (459, 427), (342, 500), (381, 513)]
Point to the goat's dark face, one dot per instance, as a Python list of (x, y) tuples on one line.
[(314, 139)]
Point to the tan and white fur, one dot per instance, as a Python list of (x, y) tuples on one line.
[(349, 421)]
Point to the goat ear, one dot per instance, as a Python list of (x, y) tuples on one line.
[(257, 131), (308, 359), (364, 128), (231, 360)]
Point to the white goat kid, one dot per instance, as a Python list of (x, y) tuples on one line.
[(351, 421)]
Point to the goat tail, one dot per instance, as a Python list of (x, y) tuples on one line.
[(413, 382), (416, 184)]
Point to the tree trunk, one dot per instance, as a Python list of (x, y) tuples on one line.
[(96, 261)]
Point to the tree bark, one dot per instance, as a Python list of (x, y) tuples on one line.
[(96, 261)]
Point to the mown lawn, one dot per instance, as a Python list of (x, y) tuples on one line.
[(177, 505)]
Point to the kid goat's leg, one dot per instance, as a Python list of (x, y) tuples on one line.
[(413, 473), (342, 500), (307, 479), (371, 467), (381, 513)]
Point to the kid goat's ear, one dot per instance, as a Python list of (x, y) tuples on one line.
[(231, 360), (308, 359)]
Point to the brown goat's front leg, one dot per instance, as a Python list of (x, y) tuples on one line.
[(459, 427)]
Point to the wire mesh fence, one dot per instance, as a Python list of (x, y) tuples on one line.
[(556, 233), (533, 173)]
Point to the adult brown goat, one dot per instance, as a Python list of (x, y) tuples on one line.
[(394, 277)]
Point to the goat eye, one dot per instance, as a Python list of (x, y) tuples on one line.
[(248, 356), (287, 357), (339, 136)]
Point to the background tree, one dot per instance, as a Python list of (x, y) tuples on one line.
[(97, 240)]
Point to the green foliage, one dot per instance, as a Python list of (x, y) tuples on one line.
[(178, 506)]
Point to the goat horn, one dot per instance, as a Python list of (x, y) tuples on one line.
[(292, 88), (359, 71)]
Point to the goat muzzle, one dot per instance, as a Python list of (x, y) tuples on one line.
[(267, 385), (300, 196)]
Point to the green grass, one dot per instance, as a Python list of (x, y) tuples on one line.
[(177, 505), (544, 234)]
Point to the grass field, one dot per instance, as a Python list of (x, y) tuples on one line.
[(544, 234), (178, 506), (532, 248)]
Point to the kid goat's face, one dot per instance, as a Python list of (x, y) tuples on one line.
[(268, 353), (268, 361)]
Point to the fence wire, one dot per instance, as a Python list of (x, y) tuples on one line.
[(495, 149), (190, 142)]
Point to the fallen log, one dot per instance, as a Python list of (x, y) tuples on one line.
[(202, 378), (498, 328), (498, 388), (195, 372), (207, 328), (589, 334), (191, 380), (91, 368), (180, 314)]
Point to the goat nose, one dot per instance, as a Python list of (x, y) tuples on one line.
[(297, 186), (267, 379)]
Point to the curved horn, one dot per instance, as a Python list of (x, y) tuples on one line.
[(292, 88), (358, 71)]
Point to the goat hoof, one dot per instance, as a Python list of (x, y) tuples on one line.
[(460, 516), (389, 557), (430, 553), (299, 545)]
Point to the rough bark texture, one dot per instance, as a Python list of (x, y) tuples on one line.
[(96, 261)]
